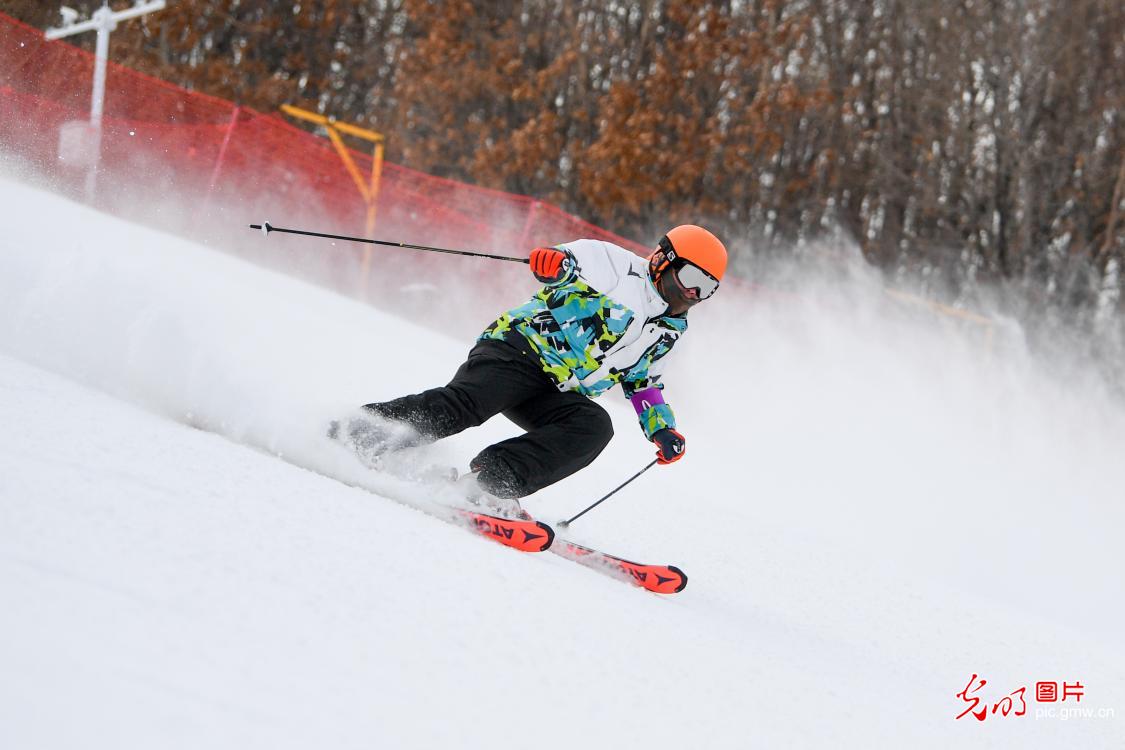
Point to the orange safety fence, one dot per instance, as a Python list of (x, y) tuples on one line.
[(222, 166)]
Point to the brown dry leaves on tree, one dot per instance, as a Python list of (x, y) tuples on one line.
[(968, 139)]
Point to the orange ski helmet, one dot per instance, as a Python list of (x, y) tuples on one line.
[(687, 265)]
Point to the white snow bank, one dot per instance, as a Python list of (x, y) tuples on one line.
[(869, 513)]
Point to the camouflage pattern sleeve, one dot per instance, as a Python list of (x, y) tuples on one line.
[(642, 383)]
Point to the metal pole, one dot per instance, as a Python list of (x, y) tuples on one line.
[(103, 21), (569, 521), (103, 17), (266, 228)]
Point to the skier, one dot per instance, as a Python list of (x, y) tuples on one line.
[(605, 316)]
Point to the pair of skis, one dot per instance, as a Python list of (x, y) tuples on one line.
[(529, 535)]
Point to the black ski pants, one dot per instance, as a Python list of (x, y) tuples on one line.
[(565, 430)]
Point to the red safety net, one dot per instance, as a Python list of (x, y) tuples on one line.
[(200, 166)]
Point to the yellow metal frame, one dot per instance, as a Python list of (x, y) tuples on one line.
[(368, 189)]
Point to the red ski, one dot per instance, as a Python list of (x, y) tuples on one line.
[(526, 535), (660, 579)]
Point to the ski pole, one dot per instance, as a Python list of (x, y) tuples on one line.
[(569, 521), (266, 228)]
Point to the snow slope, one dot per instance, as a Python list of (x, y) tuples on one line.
[(871, 511)]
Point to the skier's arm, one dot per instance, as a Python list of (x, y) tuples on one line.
[(601, 265), (643, 388), (642, 385)]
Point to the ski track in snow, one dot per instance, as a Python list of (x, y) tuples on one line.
[(869, 513)]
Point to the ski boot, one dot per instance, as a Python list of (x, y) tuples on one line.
[(505, 507), (370, 437)]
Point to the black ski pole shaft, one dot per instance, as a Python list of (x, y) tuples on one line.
[(569, 521), (266, 228)]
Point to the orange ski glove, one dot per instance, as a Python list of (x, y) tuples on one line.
[(670, 445), (549, 264)]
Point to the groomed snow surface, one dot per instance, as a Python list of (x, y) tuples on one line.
[(872, 509)]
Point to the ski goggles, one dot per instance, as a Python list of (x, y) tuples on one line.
[(692, 279)]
